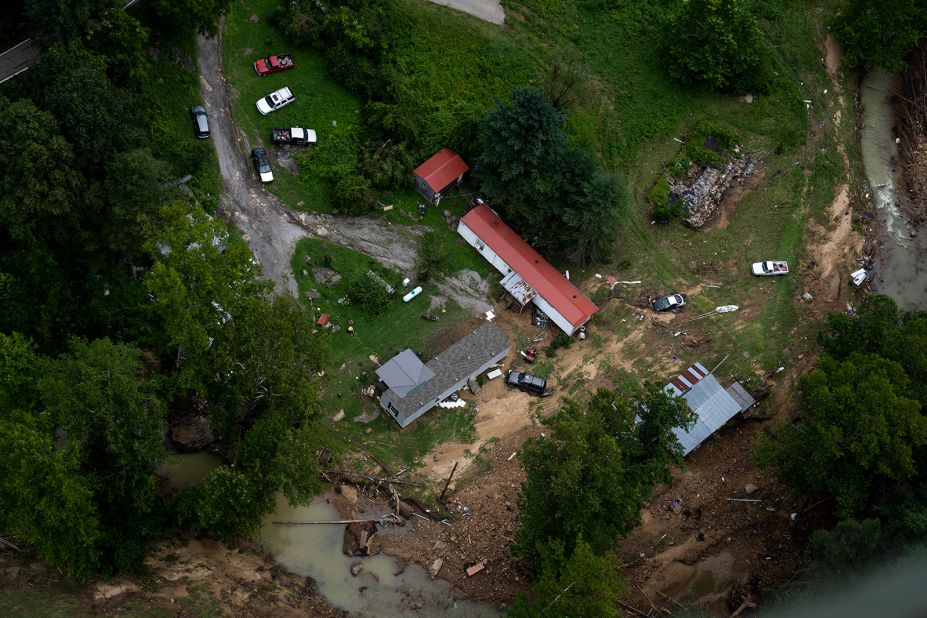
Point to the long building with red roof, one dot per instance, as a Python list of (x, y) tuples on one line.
[(537, 281)]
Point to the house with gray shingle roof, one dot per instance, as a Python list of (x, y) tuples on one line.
[(410, 387)]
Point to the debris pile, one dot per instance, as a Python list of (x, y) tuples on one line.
[(700, 199)]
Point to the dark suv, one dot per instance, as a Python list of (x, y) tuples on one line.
[(532, 385), (262, 164), (200, 121)]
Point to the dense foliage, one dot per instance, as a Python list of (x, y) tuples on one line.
[(126, 310), (718, 44), (862, 436), (588, 478), (552, 192), (880, 33)]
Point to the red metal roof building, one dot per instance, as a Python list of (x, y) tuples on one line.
[(438, 173), (562, 301)]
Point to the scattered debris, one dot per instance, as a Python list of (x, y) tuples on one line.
[(435, 567), (490, 315), (338, 416), (476, 568), (495, 373)]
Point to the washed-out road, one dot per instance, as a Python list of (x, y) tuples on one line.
[(270, 227)]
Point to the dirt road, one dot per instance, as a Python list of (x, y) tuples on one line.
[(270, 228), (487, 10)]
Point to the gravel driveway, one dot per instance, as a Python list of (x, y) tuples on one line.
[(270, 228)]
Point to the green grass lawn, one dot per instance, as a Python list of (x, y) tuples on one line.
[(631, 115), (171, 89), (320, 104), (382, 336)]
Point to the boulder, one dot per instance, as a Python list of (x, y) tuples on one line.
[(349, 492), (435, 567), (191, 434), (361, 539), (356, 568), (750, 488)]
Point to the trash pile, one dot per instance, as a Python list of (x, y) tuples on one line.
[(700, 199)]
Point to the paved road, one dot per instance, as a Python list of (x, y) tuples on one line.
[(271, 228), (487, 10), (17, 59)]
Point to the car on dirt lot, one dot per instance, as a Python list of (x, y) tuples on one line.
[(262, 164), (275, 100), (532, 385), (770, 267), (672, 302), (200, 121)]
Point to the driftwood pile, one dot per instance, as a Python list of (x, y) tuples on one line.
[(701, 197)]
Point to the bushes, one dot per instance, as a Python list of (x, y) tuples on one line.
[(369, 293), (717, 44), (432, 257), (880, 34)]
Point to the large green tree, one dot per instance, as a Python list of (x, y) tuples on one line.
[(589, 477), (552, 192), (717, 44), (580, 585), (857, 435), (880, 33)]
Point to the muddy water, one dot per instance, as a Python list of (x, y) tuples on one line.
[(900, 268), (381, 589), (187, 469)]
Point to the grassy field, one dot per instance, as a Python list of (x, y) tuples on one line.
[(382, 336), (171, 89), (632, 115)]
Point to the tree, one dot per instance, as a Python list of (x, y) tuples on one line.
[(56, 21), (120, 39), (858, 432), (594, 471), (134, 191), (552, 192), (880, 33), (93, 114), (369, 293), (38, 181), (433, 259), (717, 44), (191, 15), (579, 585)]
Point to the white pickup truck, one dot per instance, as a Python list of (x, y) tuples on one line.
[(772, 267), (275, 100), (294, 135)]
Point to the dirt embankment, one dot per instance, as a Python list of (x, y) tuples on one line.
[(186, 578)]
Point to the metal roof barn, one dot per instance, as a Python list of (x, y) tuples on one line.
[(713, 404), (438, 173)]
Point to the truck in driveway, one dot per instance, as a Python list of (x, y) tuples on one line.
[(293, 135), (275, 100), (274, 64)]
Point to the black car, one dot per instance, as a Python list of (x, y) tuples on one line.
[(526, 382), (668, 303), (200, 121), (262, 164)]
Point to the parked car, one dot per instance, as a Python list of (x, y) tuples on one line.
[(262, 164), (668, 303), (294, 135), (275, 100), (274, 64), (200, 121), (532, 385), (771, 267)]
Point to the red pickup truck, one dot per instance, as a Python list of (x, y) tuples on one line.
[(274, 64)]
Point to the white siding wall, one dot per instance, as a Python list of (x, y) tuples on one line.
[(500, 265)]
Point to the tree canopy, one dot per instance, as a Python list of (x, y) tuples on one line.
[(880, 33), (552, 192), (717, 44), (857, 435), (590, 476)]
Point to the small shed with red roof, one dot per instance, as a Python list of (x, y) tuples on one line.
[(438, 174), (538, 281)]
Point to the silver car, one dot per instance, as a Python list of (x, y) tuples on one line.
[(200, 121)]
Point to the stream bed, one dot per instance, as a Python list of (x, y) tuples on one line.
[(382, 588), (900, 266)]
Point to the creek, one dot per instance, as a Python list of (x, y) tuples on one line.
[(900, 266), (382, 589)]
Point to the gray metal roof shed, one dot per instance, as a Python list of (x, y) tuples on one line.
[(404, 372)]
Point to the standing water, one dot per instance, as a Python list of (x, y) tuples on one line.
[(381, 589), (900, 270)]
